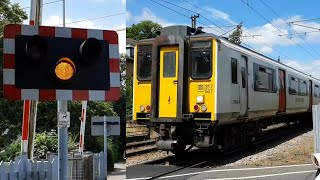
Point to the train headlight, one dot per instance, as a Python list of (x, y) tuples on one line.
[(200, 99), (203, 107), (141, 108)]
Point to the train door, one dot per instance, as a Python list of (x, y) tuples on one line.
[(310, 95), (243, 86), (168, 81), (282, 91)]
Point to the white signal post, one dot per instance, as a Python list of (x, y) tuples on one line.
[(82, 126), (315, 158)]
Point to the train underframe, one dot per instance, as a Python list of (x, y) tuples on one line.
[(179, 137)]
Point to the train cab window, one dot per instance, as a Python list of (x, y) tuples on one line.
[(144, 62), (264, 78), (169, 64), (303, 88), (316, 91), (294, 86), (201, 59), (234, 71)]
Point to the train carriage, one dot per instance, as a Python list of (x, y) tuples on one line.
[(202, 90)]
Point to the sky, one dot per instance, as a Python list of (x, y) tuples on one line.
[(78, 10), (267, 19)]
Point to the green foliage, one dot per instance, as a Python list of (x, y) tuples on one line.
[(110, 159), (236, 34), (11, 151), (9, 13), (10, 120), (44, 142), (143, 30), (129, 97)]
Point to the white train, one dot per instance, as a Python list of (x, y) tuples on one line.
[(203, 90)]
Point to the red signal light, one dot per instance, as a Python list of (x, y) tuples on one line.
[(148, 108), (196, 107)]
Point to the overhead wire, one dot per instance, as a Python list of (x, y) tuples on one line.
[(50, 2), (246, 3), (223, 30), (289, 26), (236, 25), (217, 26), (305, 26), (182, 13), (304, 20)]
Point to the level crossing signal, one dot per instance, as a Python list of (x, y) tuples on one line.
[(58, 63)]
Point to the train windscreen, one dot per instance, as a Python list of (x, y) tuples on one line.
[(144, 62), (201, 60)]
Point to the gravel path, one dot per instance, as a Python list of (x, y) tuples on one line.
[(300, 145), (296, 149), (148, 157)]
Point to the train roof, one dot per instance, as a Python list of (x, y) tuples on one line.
[(186, 31)]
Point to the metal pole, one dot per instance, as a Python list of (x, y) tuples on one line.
[(35, 19), (64, 13), (62, 142), (105, 141), (63, 132)]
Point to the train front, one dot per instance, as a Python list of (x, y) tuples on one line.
[(178, 97)]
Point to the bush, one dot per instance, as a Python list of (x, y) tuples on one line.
[(11, 151), (44, 142), (110, 159)]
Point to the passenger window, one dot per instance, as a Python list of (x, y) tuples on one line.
[(169, 64), (294, 86), (234, 67), (303, 88), (264, 78), (316, 91), (243, 75)]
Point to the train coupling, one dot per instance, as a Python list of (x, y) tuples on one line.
[(205, 142), (167, 145)]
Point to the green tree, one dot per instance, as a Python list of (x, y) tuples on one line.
[(10, 120), (143, 30), (9, 14), (235, 36)]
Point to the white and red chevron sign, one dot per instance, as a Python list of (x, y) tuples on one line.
[(13, 93)]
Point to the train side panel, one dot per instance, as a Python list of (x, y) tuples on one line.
[(297, 92)]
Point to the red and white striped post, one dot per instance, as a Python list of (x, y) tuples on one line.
[(32, 20), (27, 103), (25, 126), (83, 126)]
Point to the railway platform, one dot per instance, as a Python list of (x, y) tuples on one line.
[(286, 172), (119, 172)]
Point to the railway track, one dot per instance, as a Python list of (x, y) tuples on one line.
[(203, 158), (140, 147)]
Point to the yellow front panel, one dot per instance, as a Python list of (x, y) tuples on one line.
[(205, 88), (168, 81), (141, 91)]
